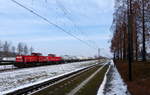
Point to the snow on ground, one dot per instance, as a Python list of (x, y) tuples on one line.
[(17, 78), (4, 67), (113, 83)]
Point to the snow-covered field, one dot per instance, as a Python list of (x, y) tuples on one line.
[(113, 83), (17, 78), (5, 67)]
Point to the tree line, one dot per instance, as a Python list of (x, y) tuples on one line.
[(140, 29), (7, 49)]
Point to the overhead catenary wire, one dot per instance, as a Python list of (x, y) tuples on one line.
[(51, 23), (66, 13)]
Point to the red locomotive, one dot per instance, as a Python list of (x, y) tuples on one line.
[(36, 59)]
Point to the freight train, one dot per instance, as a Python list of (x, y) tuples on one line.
[(37, 59)]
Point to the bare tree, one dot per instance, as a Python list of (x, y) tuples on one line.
[(140, 29), (13, 49), (1, 46), (6, 47), (20, 48), (25, 50), (31, 50)]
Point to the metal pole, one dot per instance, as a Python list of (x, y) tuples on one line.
[(98, 52), (143, 22), (129, 40)]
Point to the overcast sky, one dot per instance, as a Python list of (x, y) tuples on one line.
[(89, 20)]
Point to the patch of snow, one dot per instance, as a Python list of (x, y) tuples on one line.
[(27, 76), (113, 83), (3, 67), (102, 86)]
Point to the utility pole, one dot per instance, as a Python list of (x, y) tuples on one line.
[(143, 22), (130, 56), (98, 52)]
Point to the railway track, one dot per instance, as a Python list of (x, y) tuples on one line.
[(5, 70), (5, 64), (61, 81)]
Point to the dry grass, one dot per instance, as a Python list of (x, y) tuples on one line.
[(141, 77), (91, 88)]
